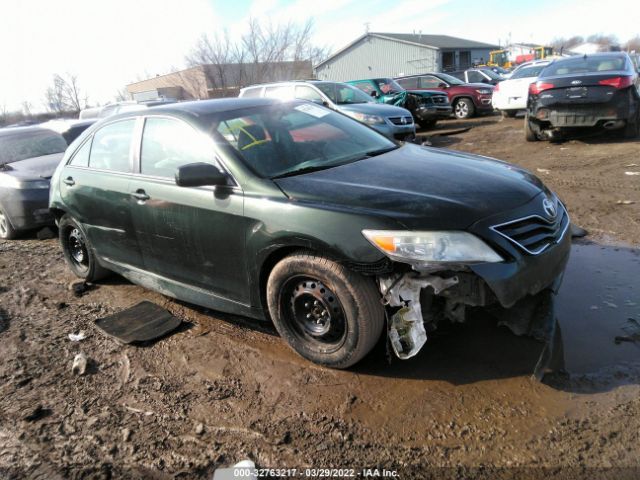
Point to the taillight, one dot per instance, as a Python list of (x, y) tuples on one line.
[(617, 82), (537, 87), (496, 88)]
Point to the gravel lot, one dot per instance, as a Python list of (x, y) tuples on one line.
[(222, 389)]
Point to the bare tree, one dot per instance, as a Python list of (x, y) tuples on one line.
[(122, 95), (257, 56), (633, 44), (65, 95), (562, 43)]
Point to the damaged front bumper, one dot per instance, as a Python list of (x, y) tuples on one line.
[(517, 292)]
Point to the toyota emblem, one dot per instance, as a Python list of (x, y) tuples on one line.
[(549, 208)]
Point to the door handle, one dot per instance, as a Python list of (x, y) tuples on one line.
[(69, 181), (140, 195)]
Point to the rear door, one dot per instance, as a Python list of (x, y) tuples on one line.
[(95, 187), (193, 235)]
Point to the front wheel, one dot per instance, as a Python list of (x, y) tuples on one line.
[(7, 232), (325, 312), (78, 251), (464, 108)]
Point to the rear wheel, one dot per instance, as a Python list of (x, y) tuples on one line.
[(529, 134), (464, 108), (327, 313), (632, 129), (78, 251), (7, 232), (509, 113)]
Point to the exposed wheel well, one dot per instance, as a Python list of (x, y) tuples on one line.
[(267, 266), (57, 213)]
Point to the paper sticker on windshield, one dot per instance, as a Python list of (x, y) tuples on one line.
[(312, 110)]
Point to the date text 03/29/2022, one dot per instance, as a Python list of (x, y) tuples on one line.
[(249, 472)]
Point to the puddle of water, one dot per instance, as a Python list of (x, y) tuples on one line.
[(599, 301)]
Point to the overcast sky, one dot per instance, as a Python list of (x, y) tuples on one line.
[(108, 44)]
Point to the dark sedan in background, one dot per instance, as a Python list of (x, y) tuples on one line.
[(28, 157), (599, 91), (293, 212)]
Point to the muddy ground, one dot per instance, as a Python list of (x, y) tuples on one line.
[(222, 389)]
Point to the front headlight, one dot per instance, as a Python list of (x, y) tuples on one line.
[(10, 181), (427, 247), (484, 91), (364, 118)]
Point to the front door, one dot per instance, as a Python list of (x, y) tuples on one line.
[(192, 235)]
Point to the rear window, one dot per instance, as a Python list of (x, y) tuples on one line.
[(251, 92), (585, 65), (29, 144), (528, 72)]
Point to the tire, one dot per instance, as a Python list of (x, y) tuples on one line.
[(78, 252), (327, 313), (464, 108), (7, 232), (509, 113), (529, 134), (632, 129)]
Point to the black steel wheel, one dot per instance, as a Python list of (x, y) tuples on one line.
[(313, 312), (325, 312), (78, 251)]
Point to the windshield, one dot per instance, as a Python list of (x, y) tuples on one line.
[(291, 138), (451, 80), (343, 94), (388, 86), (491, 74), (527, 72), (585, 64), (18, 145)]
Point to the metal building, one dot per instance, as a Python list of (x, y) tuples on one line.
[(395, 54)]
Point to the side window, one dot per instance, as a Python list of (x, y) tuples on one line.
[(279, 93), (366, 87), (81, 157), (251, 92), (168, 144), (111, 145), (475, 77), (429, 81), (409, 83), (304, 92)]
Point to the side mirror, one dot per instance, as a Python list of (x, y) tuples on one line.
[(199, 175), (443, 85), (374, 93)]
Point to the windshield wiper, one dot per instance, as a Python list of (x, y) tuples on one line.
[(300, 171), (380, 151)]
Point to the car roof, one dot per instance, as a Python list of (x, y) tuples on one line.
[(31, 128), (199, 108), (594, 55), (287, 82)]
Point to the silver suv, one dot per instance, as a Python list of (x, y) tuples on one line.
[(394, 122)]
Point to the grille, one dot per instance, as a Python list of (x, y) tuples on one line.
[(534, 234), (398, 120)]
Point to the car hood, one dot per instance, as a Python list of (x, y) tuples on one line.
[(479, 85), (375, 109), (422, 188), (35, 168)]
